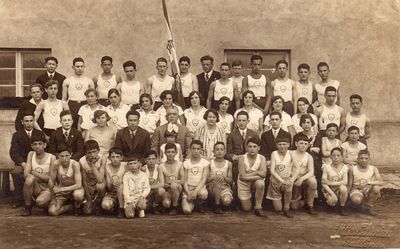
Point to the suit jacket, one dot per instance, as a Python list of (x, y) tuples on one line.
[(184, 138), (268, 144), (27, 106), (204, 85), (21, 145), (137, 147), (43, 78), (75, 142), (235, 143)]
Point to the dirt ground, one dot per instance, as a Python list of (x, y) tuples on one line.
[(231, 230)]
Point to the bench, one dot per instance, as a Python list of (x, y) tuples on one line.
[(5, 189)]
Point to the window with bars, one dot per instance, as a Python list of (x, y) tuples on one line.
[(270, 57), (19, 68)]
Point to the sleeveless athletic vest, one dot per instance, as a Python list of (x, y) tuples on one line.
[(103, 86), (223, 90)]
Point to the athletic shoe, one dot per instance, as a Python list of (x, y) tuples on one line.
[(27, 211), (141, 214)]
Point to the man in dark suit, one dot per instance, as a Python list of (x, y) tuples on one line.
[(51, 74), (205, 78), (268, 138), (236, 144), (20, 147), (184, 138), (30, 106), (133, 140), (68, 136)]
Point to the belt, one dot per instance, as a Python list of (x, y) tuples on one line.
[(76, 101)]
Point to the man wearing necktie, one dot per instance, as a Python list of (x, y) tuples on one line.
[(206, 77), (51, 74), (20, 147)]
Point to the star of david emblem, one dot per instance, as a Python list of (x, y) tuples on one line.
[(53, 111), (354, 122), (107, 84), (305, 90), (172, 178), (224, 124), (331, 116), (257, 84), (195, 170), (39, 170), (283, 88), (78, 86), (115, 179), (115, 119), (219, 173), (195, 122), (224, 90), (335, 179), (281, 167), (145, 120)]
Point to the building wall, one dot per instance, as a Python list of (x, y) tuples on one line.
[(359, 39)]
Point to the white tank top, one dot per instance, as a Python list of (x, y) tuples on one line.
[(171, 176), (225, 122), (356, 121), (194, 120), (303, 164), (283, 89), (282, 166), (51, 114), (43, 168), (257, 85), (154, 177), (116, 178), (214, 171), (223, 90), (77, 88), (187, 84), (334, 175), (362, 178), (304, 91), (66, 178), (195, 171), (320, 89), (103, 86), (238, 81), (130, 93), (85, 166), (159, 86), (329, 115), (256, 165)]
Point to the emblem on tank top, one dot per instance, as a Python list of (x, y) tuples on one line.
[(335, 179), (304, 90), (195, 170), (115, 180), (64, 176), (151, 180), (354, 122), (39, 170), (283, 88), (224, 124), (281, 167), (114, 119), (53, 111), (331, 116), (224, 90), (145, 120), (78, 86), (219, 173), (107, 84), (195, 122), (257, 84), (363, 182), (172, 178)]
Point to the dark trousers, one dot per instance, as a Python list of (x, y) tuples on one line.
[(74, 107)]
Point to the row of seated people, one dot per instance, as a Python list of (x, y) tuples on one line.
[(97, 182), (134, 141)]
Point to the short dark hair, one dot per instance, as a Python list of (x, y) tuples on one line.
[(205, 116), (113, 90), (249, 92), (164, 94), (149, 153), (170, 134), (303, 66), (51, 58), (106, 58), (337, 149), (330, 89), (281, 62), (63, 147), (145, 95), (322, 64), (99, 113), (129, 64), (304, 117), (36, 85), (50, 83), (77, 59), (115, 150), (132, 112), (207, 58), (282, 140), (237, 63), (161, 59), (219, 143), (244, 113), (301, 137), (330, 125), (364, 152), (225, 64), (256, 57), (304, 100), (275, 113), (65, 113), (356, 96), (275, 98), (198, 142), (89, 90), (353, 128), (184, 58), (169, 146), (254, 140), (197, 93), (27, 113), (91, 145), (38, 137), (223, 98)]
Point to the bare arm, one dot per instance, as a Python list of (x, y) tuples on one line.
[(268, 93), (245, 84), (228, 177), (273, 171), (210, 95), (203, 179), (195, 83), (28, 168), (342, 121), (77, 178), (368, 128), (236, 95), (294, 97), (65, 90), (39, 109)]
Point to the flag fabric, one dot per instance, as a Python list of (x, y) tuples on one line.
[(173, 59)]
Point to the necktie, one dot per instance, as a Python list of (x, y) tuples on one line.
[(243, 135), (275, 133), (66, 136), (51, 76), (207, 77), (29, 134)]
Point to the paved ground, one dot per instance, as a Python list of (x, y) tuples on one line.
[(231, 230)]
